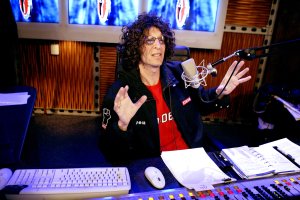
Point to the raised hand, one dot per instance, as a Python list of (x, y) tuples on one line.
[(125, 108), (236, 79)]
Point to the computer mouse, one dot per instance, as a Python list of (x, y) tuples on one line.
[(5, 175), (155, 177)]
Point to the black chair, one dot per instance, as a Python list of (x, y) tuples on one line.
[(181, 53)]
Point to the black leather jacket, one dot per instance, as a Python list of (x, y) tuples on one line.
[(142, 136)]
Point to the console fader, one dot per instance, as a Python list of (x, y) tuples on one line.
[(280, 187)]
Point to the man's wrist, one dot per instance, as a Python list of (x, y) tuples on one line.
[(122, 126)]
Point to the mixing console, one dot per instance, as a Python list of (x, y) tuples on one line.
[(280, 187)]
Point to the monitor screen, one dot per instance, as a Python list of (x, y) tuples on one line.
[(35, 11), (102, 12), (191, 15), (197, 23)]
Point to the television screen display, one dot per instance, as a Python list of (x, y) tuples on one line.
[(196, 23), (39, 11), (102, 12), (195, 15)]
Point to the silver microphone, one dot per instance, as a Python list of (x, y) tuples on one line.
[(193, 75), (190, 73)]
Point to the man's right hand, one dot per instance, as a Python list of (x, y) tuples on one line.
[(125, 108)]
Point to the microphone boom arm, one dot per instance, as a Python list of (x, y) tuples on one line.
[(223, 59), (254, 52)]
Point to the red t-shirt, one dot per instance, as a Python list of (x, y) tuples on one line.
[(170, 137)]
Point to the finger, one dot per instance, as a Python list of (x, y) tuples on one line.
[(119, 97), (125, 94), (230, 69), (122, 92), (233, 65), (240, 64), (141, 101), (242, 73), (243, 80)]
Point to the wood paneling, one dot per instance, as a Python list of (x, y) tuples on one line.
[(248, 12), (108, 58), (62, 82)]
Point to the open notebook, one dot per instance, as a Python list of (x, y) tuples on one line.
[(264, 160)]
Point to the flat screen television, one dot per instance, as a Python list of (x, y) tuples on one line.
[(197, 23)]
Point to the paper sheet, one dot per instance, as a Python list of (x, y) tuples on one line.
[(294, 110), (287, 147), (194, 169), (8, 99)]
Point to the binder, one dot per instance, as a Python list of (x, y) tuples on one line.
[(264, 160)]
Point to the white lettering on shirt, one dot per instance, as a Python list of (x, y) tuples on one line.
[(140, 123), (165, 118)]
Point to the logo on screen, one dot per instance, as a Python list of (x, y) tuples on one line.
[(182, 12), (104, 8), (25, 7)]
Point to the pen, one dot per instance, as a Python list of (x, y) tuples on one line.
[(227, 180), (288, 156)]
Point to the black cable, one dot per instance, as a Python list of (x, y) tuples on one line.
[(210, 101)]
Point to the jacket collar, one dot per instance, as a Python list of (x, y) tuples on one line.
[(167, 76), (132, 77)]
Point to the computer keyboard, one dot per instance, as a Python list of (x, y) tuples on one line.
[(69, 183)]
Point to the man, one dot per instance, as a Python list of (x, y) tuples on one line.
[(148, 109)]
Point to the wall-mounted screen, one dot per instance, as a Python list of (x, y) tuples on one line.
[(36, 11), (102, 12), (191, 15), (197, 23)]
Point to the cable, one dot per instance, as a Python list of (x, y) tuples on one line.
[(210, 101)]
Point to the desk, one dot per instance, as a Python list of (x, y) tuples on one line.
[(14, 121), (241, 189)]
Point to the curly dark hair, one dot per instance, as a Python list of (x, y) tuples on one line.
[(133, 35)]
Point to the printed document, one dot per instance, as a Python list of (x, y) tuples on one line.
[(194, 169), (287, 147)]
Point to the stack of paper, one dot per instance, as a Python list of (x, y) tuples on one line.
[(194, 169), (9, 99)]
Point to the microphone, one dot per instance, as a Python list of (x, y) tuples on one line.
[(193, 75)]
